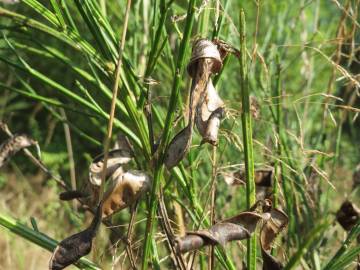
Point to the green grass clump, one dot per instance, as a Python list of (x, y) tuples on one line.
[(300, 62)]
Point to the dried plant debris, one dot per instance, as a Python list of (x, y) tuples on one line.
[(241, 227), (117, 158), (71, 195), (263, 180), (348, 215), (276, 222), (125, 189), (14, 144), (125, 186), (71, 249), (205, 105), (225, 48), (232, 178), (237, 228)]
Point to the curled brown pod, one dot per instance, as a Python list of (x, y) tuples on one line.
[(12, 145), (125, 188), (205, 61), (274, 223), (236, 228)]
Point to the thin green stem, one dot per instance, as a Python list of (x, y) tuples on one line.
[(247, 139), (159, 168)]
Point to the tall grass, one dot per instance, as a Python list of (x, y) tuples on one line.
[(297, 60)]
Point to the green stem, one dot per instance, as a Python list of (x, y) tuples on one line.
[(159, 168), (247, 138)]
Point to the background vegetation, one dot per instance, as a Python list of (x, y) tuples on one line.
[(57, 71)]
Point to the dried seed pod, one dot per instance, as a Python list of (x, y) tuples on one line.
[(263, 180), (71, 195), (348, 215), (178, 147), (122, 143), (276, 221), (126, 187), (205, 60), (14, 144), (204, 48), (237, 228), (71, 249), (219, 234), (116, 158), (210, 102), (226, 48), (213, 125), (231, 179)]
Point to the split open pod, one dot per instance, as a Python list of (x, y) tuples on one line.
[(205, 105)]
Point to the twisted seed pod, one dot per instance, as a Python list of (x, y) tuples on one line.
[(237, 228), (14, 144), (116, 158), (205, 60), (126, 187)]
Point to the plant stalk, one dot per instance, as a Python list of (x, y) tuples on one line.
[(247, 139)]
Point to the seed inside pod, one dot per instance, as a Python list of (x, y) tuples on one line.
[(126, 187)]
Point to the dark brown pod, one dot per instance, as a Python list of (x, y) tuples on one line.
[(71, 195), (178, 147), (71, 249), (219, 234), (348, 215), (236, 228)]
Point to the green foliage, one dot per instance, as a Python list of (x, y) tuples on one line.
[(301, 70)]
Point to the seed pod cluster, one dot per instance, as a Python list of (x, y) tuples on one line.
[(206, 109), (241, 227)]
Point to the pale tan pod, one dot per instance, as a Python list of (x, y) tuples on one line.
[(116, 158), (126, 187), (213, 125), (204, 48)]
